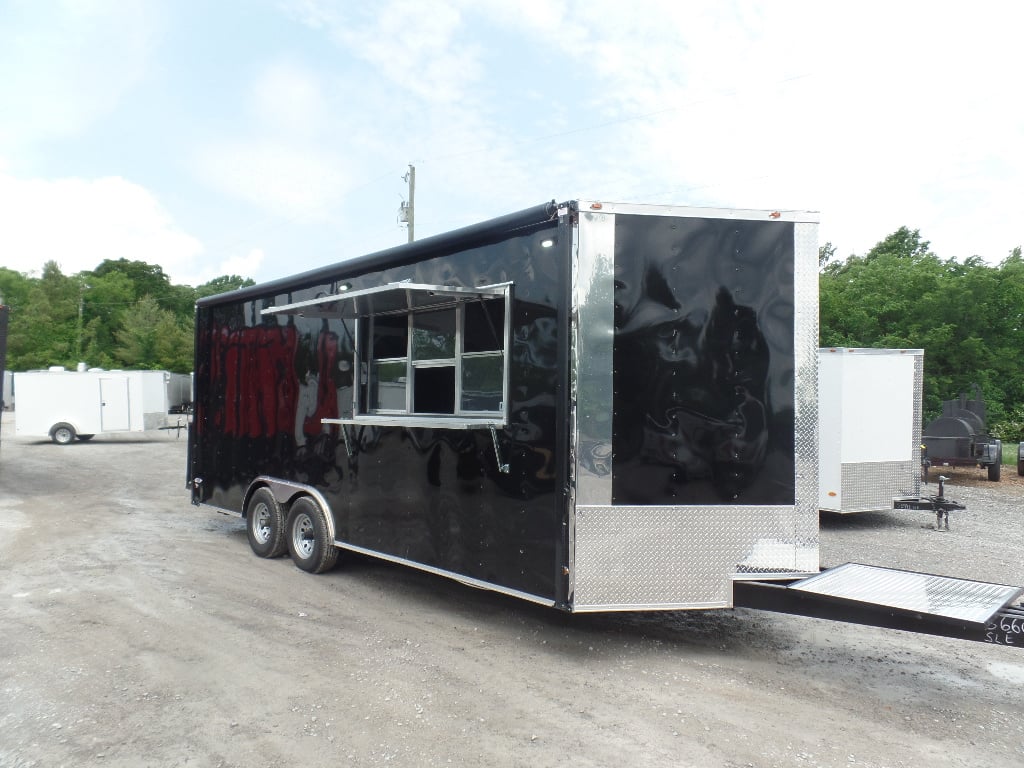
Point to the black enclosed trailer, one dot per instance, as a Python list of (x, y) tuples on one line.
[(588, 405)]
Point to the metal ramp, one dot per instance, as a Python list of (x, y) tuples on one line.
[(887, 597)]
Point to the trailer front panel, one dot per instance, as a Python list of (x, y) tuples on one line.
[(695, 404), (869, 420)]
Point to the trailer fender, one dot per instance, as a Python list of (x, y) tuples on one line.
[(286, 492)]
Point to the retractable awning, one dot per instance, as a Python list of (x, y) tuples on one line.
[(381, 299)]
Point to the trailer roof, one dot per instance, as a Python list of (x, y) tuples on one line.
[(538, 217)]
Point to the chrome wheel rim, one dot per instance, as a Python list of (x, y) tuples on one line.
[(303, 536), (261, 523)]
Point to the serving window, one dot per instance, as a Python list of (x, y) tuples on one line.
[(428, 355)]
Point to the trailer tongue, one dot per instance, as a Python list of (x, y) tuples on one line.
[(895, 599)]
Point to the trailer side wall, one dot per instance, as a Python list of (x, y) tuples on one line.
[(427, 496)]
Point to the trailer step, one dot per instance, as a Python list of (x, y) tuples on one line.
[(961, 599)]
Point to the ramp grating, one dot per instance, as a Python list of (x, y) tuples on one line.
[(973, 601)]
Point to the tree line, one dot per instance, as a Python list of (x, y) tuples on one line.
[(967, 316), (123, 314)]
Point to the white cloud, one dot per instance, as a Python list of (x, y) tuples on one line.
[(288, 157), (412, 44), (78, 223), (68, 63), (283, 178), (244, 265), (878, 115), (287, 100)]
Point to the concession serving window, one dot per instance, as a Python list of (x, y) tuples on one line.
[(427, 355)]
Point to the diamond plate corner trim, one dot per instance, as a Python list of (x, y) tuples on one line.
[(680, 557), (805, 350), (593, 333), (916, 428)]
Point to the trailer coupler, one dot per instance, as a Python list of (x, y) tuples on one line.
[(895, 599), (938, 504)]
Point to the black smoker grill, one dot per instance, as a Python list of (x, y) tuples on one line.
[(959, 438)]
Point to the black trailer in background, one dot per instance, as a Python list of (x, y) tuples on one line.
[(587, 405)]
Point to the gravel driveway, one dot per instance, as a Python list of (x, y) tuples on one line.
[(138, 630)]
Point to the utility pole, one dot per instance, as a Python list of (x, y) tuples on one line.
[(408, 211), (81, 306)]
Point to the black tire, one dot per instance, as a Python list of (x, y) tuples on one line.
[(309, 540), (994, 471), (264, 524), (1020, 467), (85, 438), (62, 433)]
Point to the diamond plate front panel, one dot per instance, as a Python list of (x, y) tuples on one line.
[(872, 485), (680, 557)]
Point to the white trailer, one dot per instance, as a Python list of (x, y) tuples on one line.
[(869, 421), (64, 405)]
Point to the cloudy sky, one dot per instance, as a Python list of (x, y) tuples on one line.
[(267, 137)]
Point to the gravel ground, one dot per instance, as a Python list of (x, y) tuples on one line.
[(140, 631)]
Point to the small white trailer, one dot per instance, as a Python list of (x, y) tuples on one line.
[(869, 421), (64, 405)]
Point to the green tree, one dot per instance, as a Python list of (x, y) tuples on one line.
[(138, 335), (44, 329), (105, 300), (967, 316), (146, 279), (223, 284), (122, 314), (14, 288), (153, 338)]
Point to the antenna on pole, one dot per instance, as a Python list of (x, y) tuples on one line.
[(407, 213)]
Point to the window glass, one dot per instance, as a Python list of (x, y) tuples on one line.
[(387, 386), (433, 335), (390, 336), (484, 326), (482, 379)]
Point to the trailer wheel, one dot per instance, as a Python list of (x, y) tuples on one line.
[(1020, 467), (994, 471), (309, 541), (264, 524), (62, 433)]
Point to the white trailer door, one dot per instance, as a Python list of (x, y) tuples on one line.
[(114, 416)]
